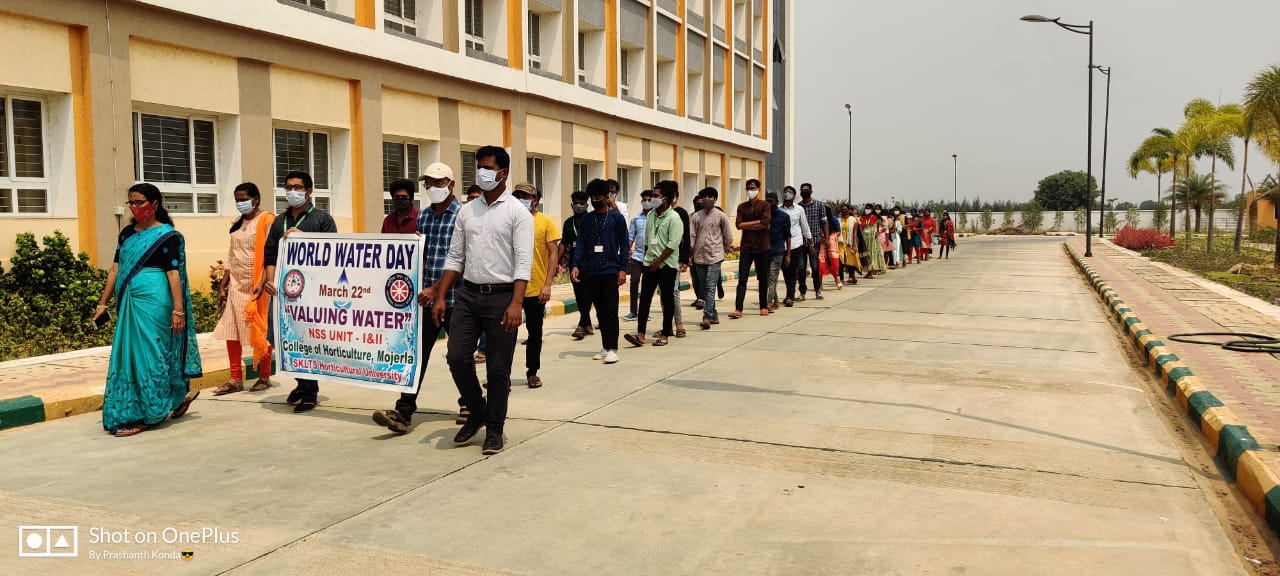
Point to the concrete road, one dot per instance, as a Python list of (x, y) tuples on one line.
[(968, 416)]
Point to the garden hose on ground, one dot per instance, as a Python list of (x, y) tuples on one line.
[(1244, 343)]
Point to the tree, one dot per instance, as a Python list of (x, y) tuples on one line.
[(1065, 190), (1109, 222), (1158, 216), (1147, 205), (986, 220), (1214, 127), (1032, 216), (1131, 218), (1080, 219), (1057, 218), (1156, 156), (1262, 102), (1198, 190)]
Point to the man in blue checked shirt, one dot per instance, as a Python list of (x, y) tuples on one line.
[(436, 225)]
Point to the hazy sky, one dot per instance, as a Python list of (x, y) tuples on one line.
[(932, 78)]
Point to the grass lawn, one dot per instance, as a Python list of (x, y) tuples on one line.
[(1261, 280)]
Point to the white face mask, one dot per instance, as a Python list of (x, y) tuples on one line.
[(245, 207), (437, 195), (486, 179), (788, 196), (652, 204), (295, 198)]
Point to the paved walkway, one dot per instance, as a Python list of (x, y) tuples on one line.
[(1173, 301), (969, 416)]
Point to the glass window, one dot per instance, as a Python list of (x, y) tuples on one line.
[(305, 151), (23, 177), (533, 173), (401, 16)]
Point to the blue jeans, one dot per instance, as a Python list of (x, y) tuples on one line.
[(710, 279)]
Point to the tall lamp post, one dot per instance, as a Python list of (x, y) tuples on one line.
[(955, 181), (1087, 30), (849, 109), (1106, 125)]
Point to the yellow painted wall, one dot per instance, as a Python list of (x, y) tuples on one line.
[(298, 96), (712, 162), (41, 227), (751, 169), (164, 74), (661, 156), (588, 143), (630, 151), (34, 54), (692, 159), (479, 126), (410, 115), (1266, 214), (542, 135), (735, 167)]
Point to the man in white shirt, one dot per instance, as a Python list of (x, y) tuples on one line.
[(492, 250), (801, 237), (618, 205)]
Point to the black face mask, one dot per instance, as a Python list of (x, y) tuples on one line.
[(597, 204), (402, 204)]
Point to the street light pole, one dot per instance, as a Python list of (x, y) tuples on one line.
[(849, 109), (955, 182), (1088, 184), (1106, 126)]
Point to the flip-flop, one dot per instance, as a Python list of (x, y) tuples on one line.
[(260, 385), (130, 431), (231, 387), (735, 315), (680, 333), (182, 408), (660, 342)]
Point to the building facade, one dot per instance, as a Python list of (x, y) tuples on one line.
[(197, 96)]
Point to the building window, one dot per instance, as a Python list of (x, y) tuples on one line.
[(655, 176), (580, 176), (178, 155), (399, 160), (535, 41), (468, 169), (582, 57), (320, 4), (473, 24), (306, 151), (624, 73), (533, 172), (24, 182), (401, 16)]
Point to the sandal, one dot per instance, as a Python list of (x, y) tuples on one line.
[(661, 341), (680, 333), (634, 339), (260, 385), (231, 387), (735, 315), (579, 333), (186, 404), (129, 431)]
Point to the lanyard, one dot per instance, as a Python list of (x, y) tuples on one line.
[(300, 219)]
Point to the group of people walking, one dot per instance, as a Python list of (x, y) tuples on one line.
[(489, 265)]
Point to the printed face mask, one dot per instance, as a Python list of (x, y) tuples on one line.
[(486, 179), (245, 207), (437, 195), (295, 198), (144, 212)]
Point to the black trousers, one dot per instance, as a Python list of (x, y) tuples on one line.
[(583, 297), (635, 270), (428, 336), (310, 388), (534, 312), (664, 278), (603, 291), (814, 270), (475, 313), (792, 270), (761, 262)]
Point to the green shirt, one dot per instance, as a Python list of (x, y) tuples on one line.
[(663, 231)]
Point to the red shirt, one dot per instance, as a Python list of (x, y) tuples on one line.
[(395, 224)]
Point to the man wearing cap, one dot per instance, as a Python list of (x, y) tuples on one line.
[(492, 250), (436, 225), (546, 247)]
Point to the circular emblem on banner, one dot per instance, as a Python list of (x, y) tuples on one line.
[(399, 291), (294, 282)]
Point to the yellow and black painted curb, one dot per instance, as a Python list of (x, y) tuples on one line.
[(30, 409), (1235, 450)]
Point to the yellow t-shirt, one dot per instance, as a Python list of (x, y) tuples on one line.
[(544, 230)]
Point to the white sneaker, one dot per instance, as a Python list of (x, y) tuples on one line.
[(600, 355), (611, 357)]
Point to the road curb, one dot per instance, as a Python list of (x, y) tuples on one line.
[(1235, 450), (33, 409)]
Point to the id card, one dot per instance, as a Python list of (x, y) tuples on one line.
[(599, 249)]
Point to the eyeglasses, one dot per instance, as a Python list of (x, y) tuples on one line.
[(137, 203), (296, 188)]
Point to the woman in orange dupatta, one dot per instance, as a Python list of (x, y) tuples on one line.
[(243, 317)]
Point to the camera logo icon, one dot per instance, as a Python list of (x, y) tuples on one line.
[(48, 541)]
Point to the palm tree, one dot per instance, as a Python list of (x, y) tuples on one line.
[(1193, 140), (1200, 190), (1214, 127), (1154, 156), (1262, 102)]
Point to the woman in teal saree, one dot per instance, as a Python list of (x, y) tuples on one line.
[(154, 354)]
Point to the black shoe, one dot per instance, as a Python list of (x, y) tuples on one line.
[(304, 406), (492, 443), (294, 396), (392, 420), (468, 431)]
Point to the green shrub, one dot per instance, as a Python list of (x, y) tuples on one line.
[(47, 297), (1263, 235), (1032, 216), (1160, 216), (986, 220), (1057, 219)]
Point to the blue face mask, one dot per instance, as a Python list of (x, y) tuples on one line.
[(528, 204)]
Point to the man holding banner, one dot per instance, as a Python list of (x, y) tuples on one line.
[(492, 250), (435, 225), (302, 216)]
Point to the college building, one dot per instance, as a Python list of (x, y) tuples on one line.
[(196, 96)]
